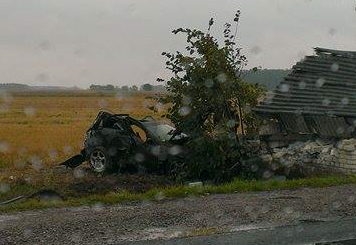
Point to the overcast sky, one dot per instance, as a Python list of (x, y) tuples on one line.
[(81, 42)]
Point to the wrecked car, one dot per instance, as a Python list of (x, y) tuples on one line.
[(118, 142)]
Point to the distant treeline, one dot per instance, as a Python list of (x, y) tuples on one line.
[(267, 77), (133, 88)]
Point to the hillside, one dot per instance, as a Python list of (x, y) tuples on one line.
[(267, 77)]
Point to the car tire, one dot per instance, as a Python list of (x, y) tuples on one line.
[(99, 160)]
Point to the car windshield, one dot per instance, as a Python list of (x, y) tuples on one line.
[(163, 132)]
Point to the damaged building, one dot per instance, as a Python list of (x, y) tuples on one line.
[(316, 102)]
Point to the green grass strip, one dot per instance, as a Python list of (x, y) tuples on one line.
[(236, 186)]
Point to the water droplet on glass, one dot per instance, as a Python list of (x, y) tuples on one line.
[(186, 100), (103, 103), (156, 150), (288, 210), (98, 207), (68, 149), (336, 204), (29, 111), (332, 31), (53, 154), (267, 174), (4, 187), (209, 83), (320, 82), (256, 50), (175, 150), (340, 130), (344, 101), (284, 87), (302, 85), (184, 111), (159, 196), (27, 233), (334, 67), (326, 102), (4, 147), (139, 157), (36, 163), (78, 173), (221, 78), (231, 123)]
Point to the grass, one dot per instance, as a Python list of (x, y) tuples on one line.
[(158, 194)]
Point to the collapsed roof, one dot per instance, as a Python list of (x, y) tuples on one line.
[(320, 85)]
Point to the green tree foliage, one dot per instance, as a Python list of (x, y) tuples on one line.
[(207, 101), (147, 87)]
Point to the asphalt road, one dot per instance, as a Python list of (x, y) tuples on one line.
[(241, 216), (343, 231)]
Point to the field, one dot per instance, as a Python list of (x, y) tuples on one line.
[(40, 130)]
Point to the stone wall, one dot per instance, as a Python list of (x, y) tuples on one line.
[(337, 156)]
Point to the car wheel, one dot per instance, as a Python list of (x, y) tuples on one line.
[(100, 160)]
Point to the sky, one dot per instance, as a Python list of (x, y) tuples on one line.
[(119, 42)]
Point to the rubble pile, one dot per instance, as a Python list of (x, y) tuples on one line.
[(334, 155)]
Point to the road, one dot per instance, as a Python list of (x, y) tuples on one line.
[(343, 231), (169, 219)]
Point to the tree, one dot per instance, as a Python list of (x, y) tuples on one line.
[(207, 101), (147, 87), (134, 88), (125, 88)]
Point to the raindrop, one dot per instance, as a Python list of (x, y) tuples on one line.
[(79, 53), (120, 96), (159, 107), (209, 83), (320, 82), (78, 173), (221, 78), (98, 207), (345, 101), (4, 187), (186, 100), (267, 174), (302, 85), (156, 150), (45, 45), (231, 123), (340, 130), (139, 157), (27, 233), (350, 129), (254, 168), (184, 111), (67, 149), (42, 77), (288, 210), (20, 163), (175, 150), (284, 87), (76, 238), (103, 103), (256, 50), (4, 147), (336, 204), (53, 154), (351, 199), (36, 163), (29, 111), (326, 102), (247, 108), (334, 67), (159, 196), (332, 31)]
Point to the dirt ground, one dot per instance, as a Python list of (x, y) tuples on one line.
[(172, 218)]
